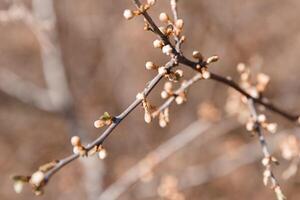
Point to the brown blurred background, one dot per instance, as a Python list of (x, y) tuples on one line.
[(103, 56)]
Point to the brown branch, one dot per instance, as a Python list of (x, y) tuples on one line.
[(185, 61), (117, 120)]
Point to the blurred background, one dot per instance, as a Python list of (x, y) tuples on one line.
[(65, 62)]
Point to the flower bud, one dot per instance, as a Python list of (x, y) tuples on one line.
[(163, 17), (157, 43), (128, 14), (167, 49), (179, 23), (75, 141), (37, 178)]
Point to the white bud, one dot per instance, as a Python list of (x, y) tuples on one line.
[(168, 86), (102, 154), (76, 149), (272, 127), (150, 65), (265, 161), (164, 17), (157, 43), (75, 141), (212, 59), (241, 67), (37, 178), (261, 118), (179, 23), (151, 2), (128, 14), (205, 74), (179, 100), (18, 186), (167, 49), (147, 117), (164, 94)]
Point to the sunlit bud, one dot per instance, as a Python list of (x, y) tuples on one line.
[(179, 72), (241, 67), (140, 96), (197, 55), (265, 161), (272, 127), (151, 2), (37, 178), (99, 123), (179, 23), (150, 65), (274, 160), (128, 14), (162, 123), (157, 43), (75, 141), (162, 70), (168, 87), (147, 117), (212, 59), (77, 149), (245, 76), (167, 49), (183, 38), (102, 153), (267, 173), (263, 78), (18, 186), (179, 100), (250, 126), (164, 94), (261, 118), (205, 74), (163, 17)]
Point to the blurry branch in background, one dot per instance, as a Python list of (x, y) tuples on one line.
[(57, 96), (224, 164), (167, 34), (145, 166), (268, 161)]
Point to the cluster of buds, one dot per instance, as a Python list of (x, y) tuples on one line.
[(147, 107), (268, 177), (102, 153), (259, 85), (166, 49), (262, 120), (172, 27), (163, 118), (129, 14), (173, 76), (290, 150), (180, 97), (36, 180), (169, 189), (202, 65), (104, 120), (78, 148)]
